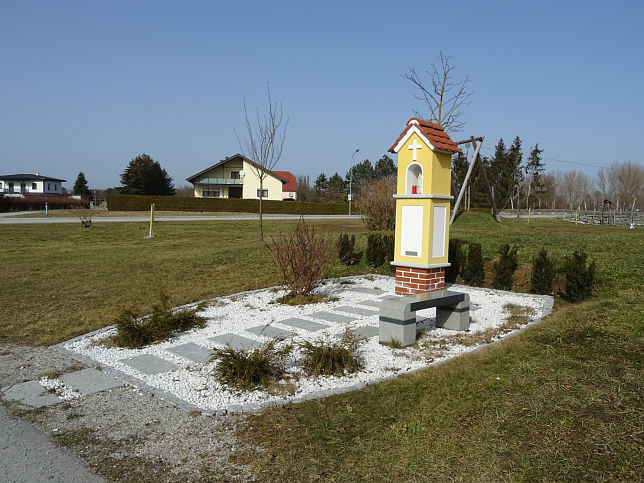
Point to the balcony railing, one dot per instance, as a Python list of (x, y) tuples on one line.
[(219, 181)]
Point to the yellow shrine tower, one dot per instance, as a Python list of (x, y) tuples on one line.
[(422, 206)]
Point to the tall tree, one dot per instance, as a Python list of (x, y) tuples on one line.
[(145, 176), (321, 185), (362, 172), (264, 143), (384, 168), (443, 96), (337, 187), (534, 173), (80, 186)]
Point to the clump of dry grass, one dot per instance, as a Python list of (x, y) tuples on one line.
[(326, 358)]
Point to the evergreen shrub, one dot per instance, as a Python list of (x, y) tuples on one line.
[(380, 248), (579, 278), (505, 266), (346, 249), (473, 271), (543, 273), (456, 258)]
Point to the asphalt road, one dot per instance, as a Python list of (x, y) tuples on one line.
[(29, 455), (15, 219)]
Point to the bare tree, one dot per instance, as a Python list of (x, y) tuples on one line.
[(263, 144), (443, 96)]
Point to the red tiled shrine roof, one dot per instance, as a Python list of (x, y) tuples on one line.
[(434, 133)]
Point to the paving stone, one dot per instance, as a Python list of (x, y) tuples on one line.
[(331, 317), (32, 394), (372, 291), (356, 310), (235, 341), (90, 381), (371, 303), (150, 364), (191, 351), (270, 331), (365, 332), (303, 324)]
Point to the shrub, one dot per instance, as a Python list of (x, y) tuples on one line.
[(251, 369), (505, 266), (346, 249), (325, 358), (456, 258), (380, 248), (579, 278), (473, 272), (543, 273), (29, 203), (305, 258), (377, 204), (134, 331)]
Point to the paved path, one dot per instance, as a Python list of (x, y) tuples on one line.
[(28, 455), (15, 219)]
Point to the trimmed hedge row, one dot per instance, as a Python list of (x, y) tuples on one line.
[(32, 203), (180, 203)]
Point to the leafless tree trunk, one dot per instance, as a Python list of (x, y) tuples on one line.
[(263, 144), (441, 94)]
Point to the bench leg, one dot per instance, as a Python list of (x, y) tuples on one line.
[(456, 317), (399, 331)]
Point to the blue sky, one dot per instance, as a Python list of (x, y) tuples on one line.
[(88, 85)]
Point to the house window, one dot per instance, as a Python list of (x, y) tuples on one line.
[(33, 186), (264, 193), (0, 185), (48, 186), (234, 174), (211, 193)]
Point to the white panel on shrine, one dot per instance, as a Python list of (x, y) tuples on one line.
[(438, 238), (411, 234)]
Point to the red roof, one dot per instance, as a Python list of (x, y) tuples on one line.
[(434, 133), (290, 184)]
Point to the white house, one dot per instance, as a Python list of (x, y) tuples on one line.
[(236, 177), (30, 184)]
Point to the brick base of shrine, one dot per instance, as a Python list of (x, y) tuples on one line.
[(411, 281)]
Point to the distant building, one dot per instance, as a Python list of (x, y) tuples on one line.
[(236, 177), (30, 184), (289, 189)]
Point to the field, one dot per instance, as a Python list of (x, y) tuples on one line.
[(561, 401)]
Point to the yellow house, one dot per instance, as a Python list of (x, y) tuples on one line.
[(422, 206), (236, 177)]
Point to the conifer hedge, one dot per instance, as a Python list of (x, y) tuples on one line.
[(184, 203)]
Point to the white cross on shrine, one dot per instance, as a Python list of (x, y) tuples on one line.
[(414, 146)]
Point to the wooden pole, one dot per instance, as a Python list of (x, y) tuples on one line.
[(465, 181), (151, 234)]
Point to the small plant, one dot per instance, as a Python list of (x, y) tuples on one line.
[(543, 273), (346, 249), (579, 278), (325, 358), (258, 368), (380, 248), (473, 272), (505, 266), (456, 258), (134, 331), (305, 258)]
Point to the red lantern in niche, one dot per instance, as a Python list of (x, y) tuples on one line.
[(414, 190)]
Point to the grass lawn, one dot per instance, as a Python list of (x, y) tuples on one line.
[(561, 401)]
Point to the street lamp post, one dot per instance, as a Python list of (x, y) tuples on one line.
[(351, 178)]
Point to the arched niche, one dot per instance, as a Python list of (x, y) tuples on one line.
[(414, 178)]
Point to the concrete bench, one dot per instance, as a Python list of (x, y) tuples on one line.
[(398, 314)]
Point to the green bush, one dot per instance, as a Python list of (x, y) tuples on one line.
[(346, 249), (380, 248), (184, 203), (134, 331), (324, 358), (505, 266), (579, 278), (456, 258), (543, 273), (248, 370), (473, 271), (30, 203)]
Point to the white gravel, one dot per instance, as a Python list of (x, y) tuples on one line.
[(194, 384)]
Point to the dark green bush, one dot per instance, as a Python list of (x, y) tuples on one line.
[(30, 203), (324, 358), (257, 368), (456, 258), (380, 248), (543, 273), (346, 249), (134, 331), (505, 266), (185, 203), (473, 271), (579, 278)]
